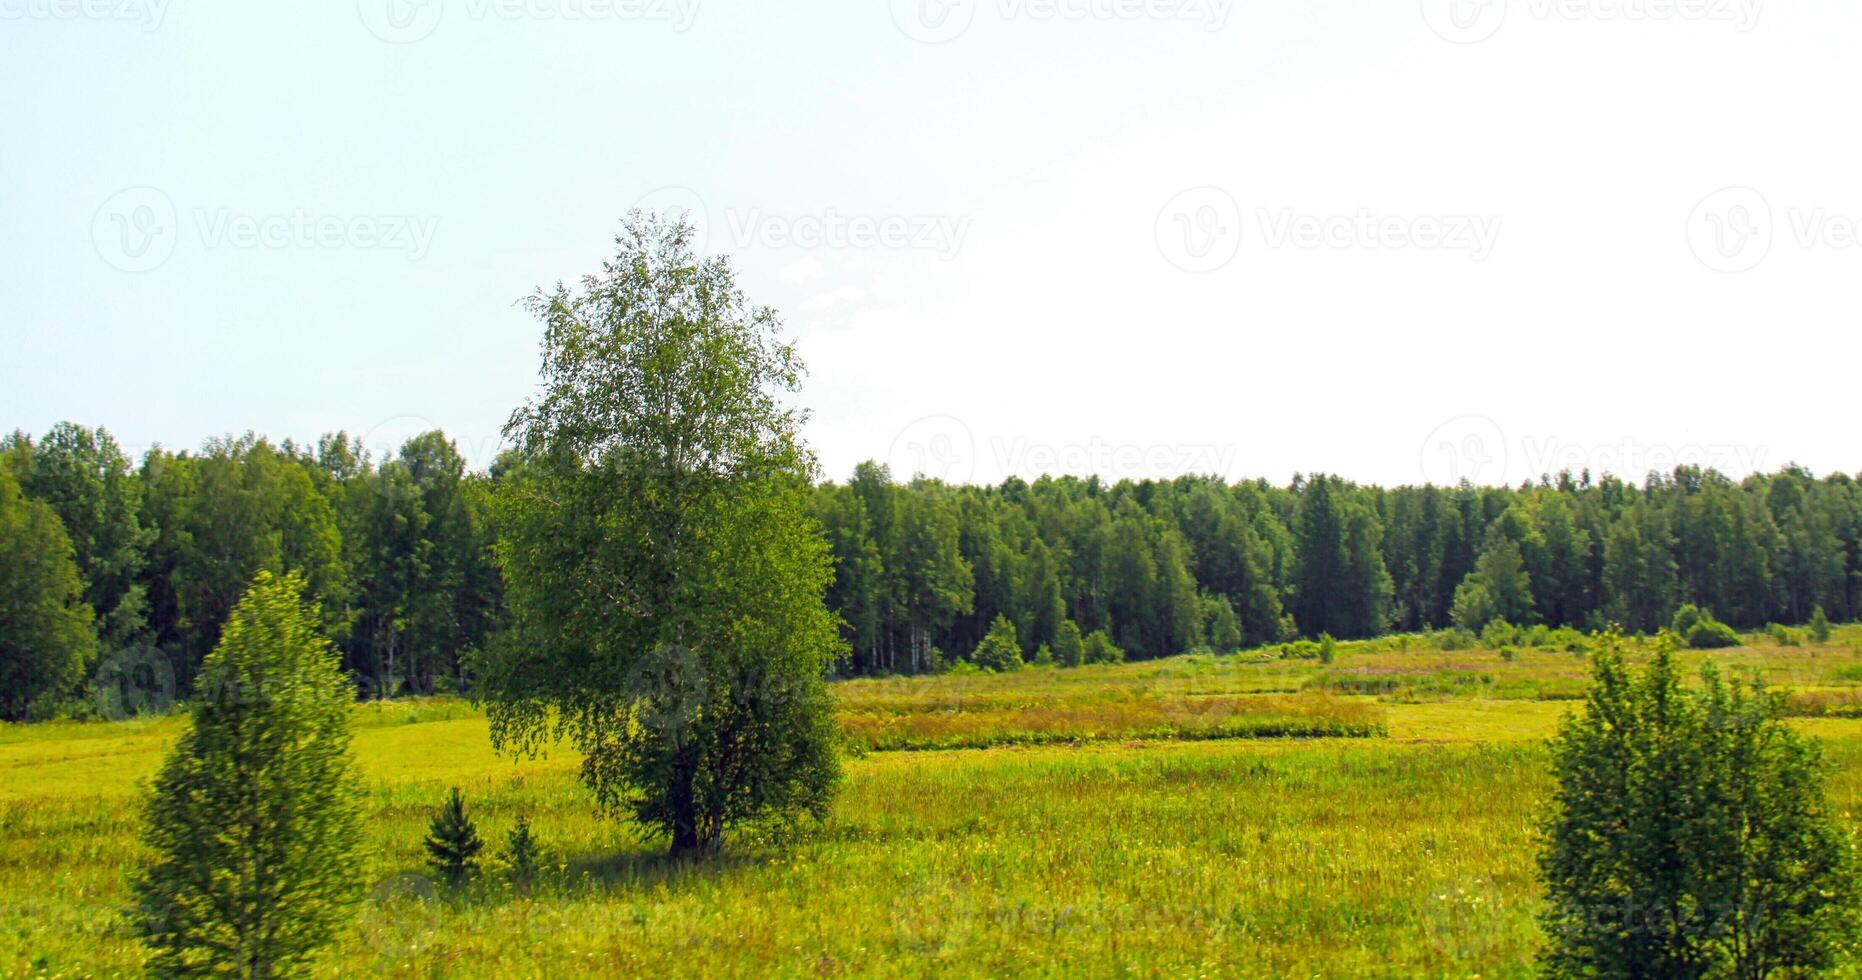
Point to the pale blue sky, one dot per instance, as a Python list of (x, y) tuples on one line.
[(1507, 248)]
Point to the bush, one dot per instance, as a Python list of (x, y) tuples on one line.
[(1782, 635), (1454, 638), (1499, 633), (1043, 656), (1688, 833), (1069, 649), (999, 650), (1698, 630), (1328, 648), (1819, 625), (1101, 650)]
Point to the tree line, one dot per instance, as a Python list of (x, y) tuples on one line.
[(398, 552), (923, 569)]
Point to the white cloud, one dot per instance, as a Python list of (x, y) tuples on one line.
[(808, 269)]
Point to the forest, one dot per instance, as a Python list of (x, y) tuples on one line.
[(401, 554)]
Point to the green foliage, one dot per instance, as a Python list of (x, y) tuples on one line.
[(1223, 626), (1498, 633), (1099, 649), (1499, 587), (665, 581), (45, 626), (83, 475), (1819, 625), (452, 841), (1069, 647), (1043, 656), (999, 651), (522, 856), (252, 824), (1698, 630), (1689, 834), (1328, 648)]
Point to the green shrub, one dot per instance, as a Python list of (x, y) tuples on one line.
[(1819, 625), (999, 650), (1454, 638), (1499, 633), (1698, 630), (1328, 648), (1069, 648), (1101, 650), (1689, 834)]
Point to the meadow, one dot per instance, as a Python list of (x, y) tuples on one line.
[(1201, 815)]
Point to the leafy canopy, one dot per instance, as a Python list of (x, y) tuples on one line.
[(665, 583)]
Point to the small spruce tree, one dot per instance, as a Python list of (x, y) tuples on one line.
[(453, 842), (1819, 625), (521, 852), (253, 819)]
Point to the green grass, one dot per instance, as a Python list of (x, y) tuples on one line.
[(1136, 849)]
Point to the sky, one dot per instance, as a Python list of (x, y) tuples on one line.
[(1395, 240)]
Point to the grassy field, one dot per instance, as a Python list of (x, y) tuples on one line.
[(1151, 819)]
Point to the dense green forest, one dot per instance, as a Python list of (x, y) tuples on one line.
[(401, 554)]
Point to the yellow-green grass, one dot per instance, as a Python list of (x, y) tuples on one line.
[(1408, 854)]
